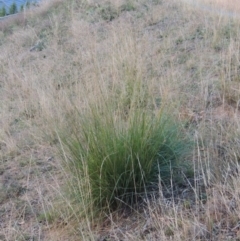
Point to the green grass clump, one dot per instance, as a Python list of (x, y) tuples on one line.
[(108, 12), (122, 160)]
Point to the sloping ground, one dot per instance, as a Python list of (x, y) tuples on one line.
[(222, 7), (53, 63), (232, 5)]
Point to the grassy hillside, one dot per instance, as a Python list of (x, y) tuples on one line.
[(120, 120)]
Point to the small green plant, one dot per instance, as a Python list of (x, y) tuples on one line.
[(47, 217), (128, 6), (13, 8), (3, 12), (108, 12), (169, 232), (157, 2)]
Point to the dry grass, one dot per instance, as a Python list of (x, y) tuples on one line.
[(80, 51), (230, 5)]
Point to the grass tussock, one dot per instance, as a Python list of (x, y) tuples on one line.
[(124, 159)]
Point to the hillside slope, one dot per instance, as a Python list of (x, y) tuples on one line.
[(62, 57)]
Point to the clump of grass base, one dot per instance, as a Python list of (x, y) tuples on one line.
[(120, 160)]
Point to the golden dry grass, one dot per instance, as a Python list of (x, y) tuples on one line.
[(80, 51)]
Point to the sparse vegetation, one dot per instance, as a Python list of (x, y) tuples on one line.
[(128, 6), (108, 11), (120, 121)]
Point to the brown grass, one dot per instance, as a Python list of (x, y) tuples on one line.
[(17, 19), (188, 58), (229, 5)]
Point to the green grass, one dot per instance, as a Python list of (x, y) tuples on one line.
[(122, 159)]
